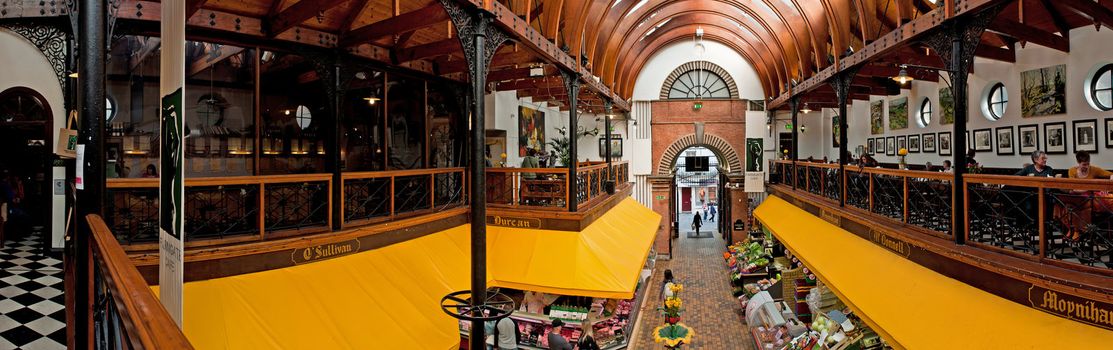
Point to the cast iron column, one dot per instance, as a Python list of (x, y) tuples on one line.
[(92, 44), (955, 44), (572, 85), (333, 145), (841, 84), (794, 103), (479, 40), (609, 184)]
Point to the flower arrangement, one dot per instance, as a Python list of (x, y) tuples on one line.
[(673, 335), (673, 304), (902, 152)]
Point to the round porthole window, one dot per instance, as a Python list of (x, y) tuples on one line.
[(995, 101), (925, 113), (1099, 87)]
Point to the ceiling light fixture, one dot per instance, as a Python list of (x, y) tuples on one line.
[(903, 77), (806, 109), (371, 100)]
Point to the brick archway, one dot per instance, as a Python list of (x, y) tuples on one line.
[(705, 65), (727, 155)]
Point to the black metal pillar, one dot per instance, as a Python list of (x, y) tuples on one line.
[(794, 103), (609, 184), (572, 85), (479, 40), (332, 142), (92, 44), (841, 84), (955, 44)]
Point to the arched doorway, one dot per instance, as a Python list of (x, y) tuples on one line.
[(25, 122), (698, 173)]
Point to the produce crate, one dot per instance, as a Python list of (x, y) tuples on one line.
[(788, 283)]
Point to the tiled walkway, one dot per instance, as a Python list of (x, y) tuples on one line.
[(32, 315), (709, 307)]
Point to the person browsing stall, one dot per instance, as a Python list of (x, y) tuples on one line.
[(530, 161), (556, 340), (1086, 171), (1038, 167)]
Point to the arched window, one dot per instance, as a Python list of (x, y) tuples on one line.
[(109, 108), (699, 83), (1101, 88), (997, 101), (303, 116), (20, 104), (925, 112)]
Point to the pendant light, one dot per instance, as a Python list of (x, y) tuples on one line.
[(903, 77)]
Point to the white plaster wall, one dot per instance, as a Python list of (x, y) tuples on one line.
[(1084, 56), (27, 67), (648, 84), (502, 114)]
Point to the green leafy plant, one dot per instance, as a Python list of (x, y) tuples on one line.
[(560, 145)]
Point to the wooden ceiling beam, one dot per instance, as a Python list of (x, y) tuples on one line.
[(995, 53), (208, 59), (353, 15), (500, 59), (548, 70), (192, 6), (1057, 18), (1091, 10), (1030, 34), (433, 49), (297, 13), (406, 22)]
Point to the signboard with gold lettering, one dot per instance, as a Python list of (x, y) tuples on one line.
[(1072, 307), (515, 222), (831, 217), (324, 251), (892, 244)]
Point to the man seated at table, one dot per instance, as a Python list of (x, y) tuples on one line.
[(1086, 171), (1038, 167), (530, 161)]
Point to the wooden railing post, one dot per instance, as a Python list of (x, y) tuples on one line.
[(905, 198), (392, 197), (1043, 224), (433, 190), (966, 217), (262, 211), (871, 191)]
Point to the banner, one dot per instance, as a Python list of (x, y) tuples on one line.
[(172, 130)]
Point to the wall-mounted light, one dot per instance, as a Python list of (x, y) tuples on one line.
[(371, 100), (73, 75)]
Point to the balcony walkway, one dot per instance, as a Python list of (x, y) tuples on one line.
[(710, 309)]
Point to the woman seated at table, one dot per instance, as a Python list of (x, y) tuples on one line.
[(1079, 206), (867, 161), (530, 161), (1038, 167)]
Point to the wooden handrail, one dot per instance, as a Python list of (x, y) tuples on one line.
[(529, 170), (221, 181), (145, 320), (390, 173), (1041, 182)]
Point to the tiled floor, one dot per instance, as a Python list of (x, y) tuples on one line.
[(709, 307), (32, 315)]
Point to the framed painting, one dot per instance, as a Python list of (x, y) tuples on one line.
[(1108, 132), (869, 146), (616, 147), (913, 143), (945, 143), (982, 141), (898, 113), (531, 130), (1086, 135), (1043, 91), (928, 140), (1055, 138), (946, 106), (876, 117), (1029, 138), (880, 146), (1005, 141), (902, 143), (890, 146)]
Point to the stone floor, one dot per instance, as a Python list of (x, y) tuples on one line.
[(709, 307)]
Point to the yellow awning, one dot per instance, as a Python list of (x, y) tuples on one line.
[(602, 261), (390, 297), (910, 305)]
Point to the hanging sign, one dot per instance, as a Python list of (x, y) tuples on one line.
[(172, 130), (755, 182)]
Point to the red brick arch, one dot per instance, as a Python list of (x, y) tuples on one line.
[(727, 155)]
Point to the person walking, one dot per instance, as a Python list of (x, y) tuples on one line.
[(697, 222), (713, 212), (587, 340)]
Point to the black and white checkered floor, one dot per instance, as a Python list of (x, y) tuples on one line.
[(32, 307)]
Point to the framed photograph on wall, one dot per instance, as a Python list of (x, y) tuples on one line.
[(945, 143), (879, 146), (928, 140), (913, 143), (616, 147), (1055, 138), (1005, 141), (902, 143), (890, 146), (1029, 138), (983, 140), (1086, 135), (869, 146), (1108, 132)]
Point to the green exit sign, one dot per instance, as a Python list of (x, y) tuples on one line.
[(788, 126), (697, 105)]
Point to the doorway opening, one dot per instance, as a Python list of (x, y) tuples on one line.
[(699, 188), (25, 164)]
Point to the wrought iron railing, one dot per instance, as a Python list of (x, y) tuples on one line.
[(1050, 219), (228, 209), (533, 188), (126, 313), (386, 195)]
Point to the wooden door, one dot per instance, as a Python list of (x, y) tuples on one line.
[(685, 199)]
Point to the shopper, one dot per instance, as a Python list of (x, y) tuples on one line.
[(504, 333), (713, 212), (530, 161), (1038, 167), (587, 341), (556, 340), (666, 290), (697, 222)]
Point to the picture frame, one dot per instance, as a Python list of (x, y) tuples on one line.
[(1055, 138), (945, 143), (616, 147), (982, 140), (928, 141), (1108, 132), (913, 143), (869, 146), (1005, 144), (1086, 135), (902, 142), (890, 146), (1028, 137), (880, 144)]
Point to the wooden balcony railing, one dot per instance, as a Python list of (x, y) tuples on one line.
[(591, 179), (1063, 222), (387, 195), (127, 313), (533, 188)]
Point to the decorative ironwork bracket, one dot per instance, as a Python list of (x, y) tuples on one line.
[(970, 33), (470, 24), (50, 40)]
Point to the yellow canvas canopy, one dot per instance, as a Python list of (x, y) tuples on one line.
[(390, 297)]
